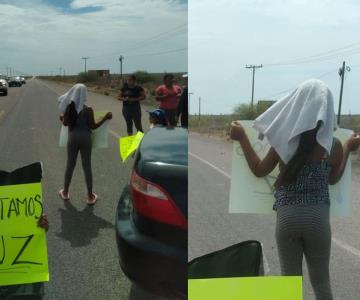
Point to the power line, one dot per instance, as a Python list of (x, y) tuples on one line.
[(349, 49), (294, 87), (145, 41), (157, 53)]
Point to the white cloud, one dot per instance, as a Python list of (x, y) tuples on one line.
[(40, 38)]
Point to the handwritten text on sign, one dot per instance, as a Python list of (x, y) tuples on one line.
[(23, 253)]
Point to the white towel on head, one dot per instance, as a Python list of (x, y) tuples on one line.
[(77, 94), (300, 111)]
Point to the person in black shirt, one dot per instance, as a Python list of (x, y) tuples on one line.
[(131, 94), (183, 110)]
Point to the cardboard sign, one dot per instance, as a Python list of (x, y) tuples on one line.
[(246, 288), (129, 144), (23, 251), (249, 194), (99, 136)]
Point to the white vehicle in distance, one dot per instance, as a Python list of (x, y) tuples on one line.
[(3, 85)]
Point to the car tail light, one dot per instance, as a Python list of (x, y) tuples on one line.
[(153, 202)]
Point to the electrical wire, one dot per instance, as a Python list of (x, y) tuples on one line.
[(293, 88)]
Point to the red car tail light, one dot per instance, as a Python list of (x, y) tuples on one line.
[(153, 202)]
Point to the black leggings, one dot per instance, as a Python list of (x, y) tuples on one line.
[(79, 141), (132, 114), (305, 231)]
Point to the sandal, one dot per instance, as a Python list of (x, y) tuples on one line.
[(62, 196), (93, 201)]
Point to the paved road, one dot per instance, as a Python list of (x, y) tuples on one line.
[(213, 228), (82, 251)]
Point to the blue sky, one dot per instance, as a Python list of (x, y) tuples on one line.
[(51, 36), (225, 36)]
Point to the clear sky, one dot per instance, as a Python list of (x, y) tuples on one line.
[(314, 36), (42, 36)]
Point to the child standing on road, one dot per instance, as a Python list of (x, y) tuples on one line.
[(80, 120), (300, 129)]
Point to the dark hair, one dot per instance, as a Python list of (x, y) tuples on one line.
[(292, 169), (166, 76), (132, 76), (71, 115)]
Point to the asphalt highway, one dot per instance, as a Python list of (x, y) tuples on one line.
[(83, 258), (211, 227)]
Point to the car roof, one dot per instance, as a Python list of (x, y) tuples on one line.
[(165, 145)]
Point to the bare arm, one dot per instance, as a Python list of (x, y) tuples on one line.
[(93, 124), (121, 96), (260, 168), (340, 156)]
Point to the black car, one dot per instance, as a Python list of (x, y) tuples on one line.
[(14, 81), (151, 219)]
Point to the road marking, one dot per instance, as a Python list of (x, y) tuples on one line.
[(337, 242), (347, 247), (1, 113), (265, 260), (210, 165)]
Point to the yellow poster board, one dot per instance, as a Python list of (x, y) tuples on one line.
[(246, 288), (23, 251), (129, 144)]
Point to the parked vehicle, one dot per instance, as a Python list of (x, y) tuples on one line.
[(3, 87), (14, 81), (151, 218)]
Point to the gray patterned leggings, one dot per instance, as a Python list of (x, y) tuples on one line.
[(304, 230), (79, 141)]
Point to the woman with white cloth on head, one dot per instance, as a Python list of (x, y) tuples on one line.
[(80, 120), (300, 128)]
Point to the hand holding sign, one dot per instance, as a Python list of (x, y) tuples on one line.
[(23, 253)]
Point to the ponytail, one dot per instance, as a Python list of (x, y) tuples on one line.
[(71, 114), (292, 169)]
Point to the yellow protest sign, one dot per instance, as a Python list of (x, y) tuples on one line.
[(23, 251), (246, 288), (129, 144)]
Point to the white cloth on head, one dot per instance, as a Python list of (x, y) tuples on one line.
[(300, 111), (77, 94)]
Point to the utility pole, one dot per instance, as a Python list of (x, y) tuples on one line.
[(253, 67), (199, 112), (342, 71), (85, 59), (199, 108), (189, 95), (121, 66)]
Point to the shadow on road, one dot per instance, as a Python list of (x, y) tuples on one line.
[(80, 227)]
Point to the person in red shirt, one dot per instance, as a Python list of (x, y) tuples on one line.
[(168, 94)]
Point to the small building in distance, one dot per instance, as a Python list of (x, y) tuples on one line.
[(100, 73)]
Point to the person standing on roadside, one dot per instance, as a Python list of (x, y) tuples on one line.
[(168, 94), (300, 129), (183, 110), (131, 94), (80, 120)]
